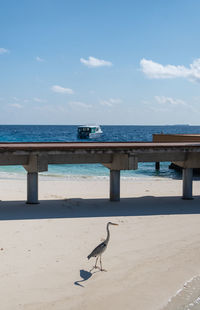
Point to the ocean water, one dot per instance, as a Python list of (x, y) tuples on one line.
[(62, 133), (187, 297)]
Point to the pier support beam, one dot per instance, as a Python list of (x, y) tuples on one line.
[(36, 163), (114, 185), (187, 183), (157, 165), (32, 188)]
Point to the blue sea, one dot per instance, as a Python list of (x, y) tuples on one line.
[(68, 133)]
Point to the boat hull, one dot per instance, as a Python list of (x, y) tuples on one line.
[(89, 135)]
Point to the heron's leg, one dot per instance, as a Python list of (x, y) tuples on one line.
[(101, 265), (95, 266)]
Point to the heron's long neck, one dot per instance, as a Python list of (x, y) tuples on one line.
[(108, 234)]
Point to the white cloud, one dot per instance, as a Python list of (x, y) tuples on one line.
[(115, 100), (20, 100), (39, 59), (16, 105), (110, 102), (40, 100), (155, 70), (159, 110), (15, 99), (106, 103), (80, 104), (169, 100), (46, 108), (95, 62), (3, 51), (91, 92), (62, 90)]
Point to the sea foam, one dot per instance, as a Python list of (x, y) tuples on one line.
[(187, 297)]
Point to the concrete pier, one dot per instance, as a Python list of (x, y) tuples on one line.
[(32, 188), (116, 156), (187, 183), (114, 185), (157, 165)]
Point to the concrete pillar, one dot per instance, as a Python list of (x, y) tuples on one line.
[(157, 165), (187, 183), (32, 187), (114, 185)]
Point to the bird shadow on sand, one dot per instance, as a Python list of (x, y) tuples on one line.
[(85, 275)]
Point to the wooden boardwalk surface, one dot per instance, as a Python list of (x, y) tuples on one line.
[(90, 145)]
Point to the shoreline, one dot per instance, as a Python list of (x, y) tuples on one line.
[(78, 177), (187, 297), (97, 171), (151, 254)]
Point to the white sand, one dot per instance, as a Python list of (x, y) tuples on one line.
[(43, 260)]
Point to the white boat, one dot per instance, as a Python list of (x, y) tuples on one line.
[(89, 131)]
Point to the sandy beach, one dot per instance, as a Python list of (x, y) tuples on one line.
[(43, 248)]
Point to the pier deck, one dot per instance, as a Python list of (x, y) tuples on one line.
[(116, 156)]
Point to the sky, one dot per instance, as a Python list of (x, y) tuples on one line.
[(126, 62)]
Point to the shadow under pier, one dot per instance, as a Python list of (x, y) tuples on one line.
[(77, 208)]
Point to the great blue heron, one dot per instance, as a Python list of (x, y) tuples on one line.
[(98, 251)]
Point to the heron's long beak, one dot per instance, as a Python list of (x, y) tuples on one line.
[(114, 224)]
